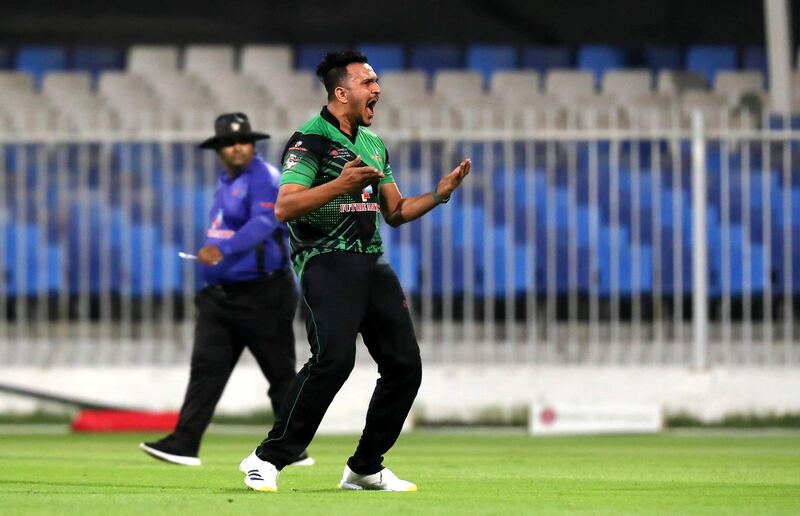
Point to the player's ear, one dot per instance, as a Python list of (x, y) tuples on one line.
[(341, 94)]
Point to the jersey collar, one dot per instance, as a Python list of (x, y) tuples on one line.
[(328, 116)]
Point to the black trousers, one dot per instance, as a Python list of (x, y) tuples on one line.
[(257, 315), (345, 294)]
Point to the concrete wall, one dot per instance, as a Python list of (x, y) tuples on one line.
[(453, 392)]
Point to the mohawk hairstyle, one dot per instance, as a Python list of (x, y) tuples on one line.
[(333, 68)]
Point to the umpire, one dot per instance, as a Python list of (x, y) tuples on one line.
[(250, 297)]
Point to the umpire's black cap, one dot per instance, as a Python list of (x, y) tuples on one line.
[(230, 128)]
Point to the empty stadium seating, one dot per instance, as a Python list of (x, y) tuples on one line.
[(629, 233), (534, 210), (384, 58), (265, 60), (38, 60), (172, 88), (490, 59), (708, 60), (97, 59)]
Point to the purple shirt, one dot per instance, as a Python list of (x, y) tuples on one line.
[(244, 227)]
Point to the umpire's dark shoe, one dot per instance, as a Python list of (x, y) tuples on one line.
[(168, 452), (303, 460)]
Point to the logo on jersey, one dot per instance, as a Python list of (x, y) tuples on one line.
[(344, 152), (366, 192), (298, 145), (215, 232), (217, 222), (291, 160), (377, 156), (352, 207)]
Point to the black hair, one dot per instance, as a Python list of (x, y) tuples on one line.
[(333, 68)]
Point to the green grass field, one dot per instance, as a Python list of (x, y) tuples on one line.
[(457, 473)]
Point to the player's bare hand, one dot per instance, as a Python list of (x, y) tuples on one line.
[(450, 182), (356, 176), (209, 255)]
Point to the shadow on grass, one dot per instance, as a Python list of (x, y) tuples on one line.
[(292, 490)]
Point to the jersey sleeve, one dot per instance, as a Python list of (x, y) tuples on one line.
[(301, 160), (388, 176), (262, 194)]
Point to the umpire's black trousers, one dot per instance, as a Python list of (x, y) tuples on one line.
[(257, 315), (345, 294)]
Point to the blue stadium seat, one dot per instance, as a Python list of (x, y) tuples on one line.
[(38, 60), (170, 269), (5, 58), (203, 197), (500, 193), (777, 122), (755, 58), (659, 58), (517, 276), (778, 266), (600, 58), (543, 58), (308, 56), (384, 58), (87, 242), (405, 259), (431, 58), (708, 60), (668, 259), (478, 215), (776, 205), (436, 270), (145, 243), (523, 206), (643, 282), (119, 227), (796, 209), (562, 267), (17, 155), (488, 59), (586, 270), (98, 59), (583, 229), (619, 237), (715, 251), (55, 267), (8, 236), (645, 188), (562, 196), (739, 275), (36, 269)]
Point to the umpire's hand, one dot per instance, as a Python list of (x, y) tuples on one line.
[(209, 255)]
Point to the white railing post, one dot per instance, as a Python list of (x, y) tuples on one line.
[(778, 30), (699, 245)]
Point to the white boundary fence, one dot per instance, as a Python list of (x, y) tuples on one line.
[(664, 247)]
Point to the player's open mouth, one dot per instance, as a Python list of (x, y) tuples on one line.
[(371, 107)]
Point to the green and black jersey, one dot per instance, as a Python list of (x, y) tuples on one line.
[(316, 154)]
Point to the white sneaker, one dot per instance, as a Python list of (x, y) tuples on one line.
[(384, 480), (259, 475), (303, 460)]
